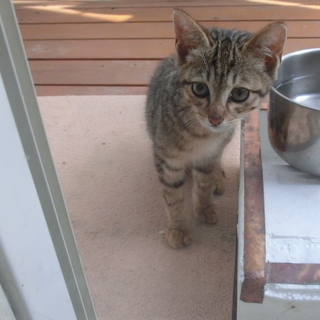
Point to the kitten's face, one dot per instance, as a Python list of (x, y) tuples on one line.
[(225, 73), (222, 86)]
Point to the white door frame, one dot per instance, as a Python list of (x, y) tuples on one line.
[(40, 269)]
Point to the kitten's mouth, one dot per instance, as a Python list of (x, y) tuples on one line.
[(222, 126), (216, 124)]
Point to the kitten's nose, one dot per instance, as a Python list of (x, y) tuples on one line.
[(216, 120)]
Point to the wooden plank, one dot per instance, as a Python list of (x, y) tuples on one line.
[(123, 49), (293, 273), (157, 3), (92, 73), (89, 90), (254, 256), (99, 49), (149, 30), (133, 3), (51, 14)]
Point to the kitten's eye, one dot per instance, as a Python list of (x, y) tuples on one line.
[(239, 94), (200, 89)]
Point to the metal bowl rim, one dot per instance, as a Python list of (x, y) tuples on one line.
[(285, 57)]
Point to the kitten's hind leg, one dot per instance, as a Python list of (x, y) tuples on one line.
[(204, 177), (173, 179)]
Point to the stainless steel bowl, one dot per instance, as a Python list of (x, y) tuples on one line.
[(294, 111)]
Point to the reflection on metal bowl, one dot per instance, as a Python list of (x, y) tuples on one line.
[(294, 111)]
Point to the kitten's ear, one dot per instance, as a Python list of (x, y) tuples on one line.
[(189, 35), (268, 44)]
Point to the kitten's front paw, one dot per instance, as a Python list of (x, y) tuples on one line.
[(207, 215), (219, 182), (178, 238)]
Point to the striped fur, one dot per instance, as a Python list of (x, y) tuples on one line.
[(194, 101)]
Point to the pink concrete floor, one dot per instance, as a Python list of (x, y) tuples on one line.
[(103, 158)]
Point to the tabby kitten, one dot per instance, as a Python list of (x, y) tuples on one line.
[(193, 103)]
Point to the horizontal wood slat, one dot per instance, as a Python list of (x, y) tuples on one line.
[(51, 14), (89, 90), (146, 3), (293, 273), (145, 30), (123, 49), (99, 49), (92, 73)]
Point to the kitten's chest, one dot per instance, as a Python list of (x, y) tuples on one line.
[(205, 148)]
